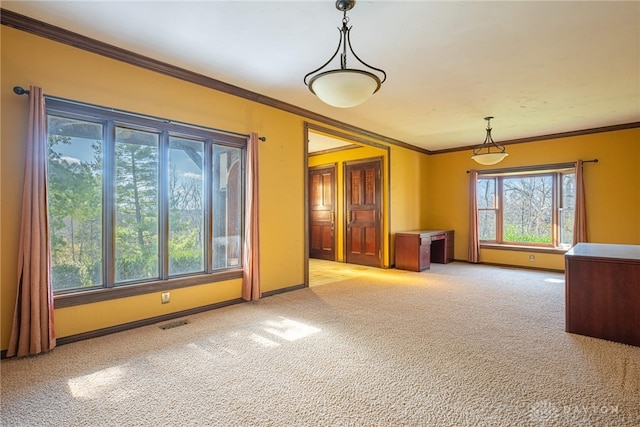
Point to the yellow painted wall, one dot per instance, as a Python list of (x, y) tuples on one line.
[(89, 317), (612, 186), (71, 73), (410, 185), (423, 192)]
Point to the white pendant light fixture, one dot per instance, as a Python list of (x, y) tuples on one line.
[(344, 87), (483, 153)]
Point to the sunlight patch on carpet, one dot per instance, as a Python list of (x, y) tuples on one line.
[(263, 341), (97, 384), (289, 330)]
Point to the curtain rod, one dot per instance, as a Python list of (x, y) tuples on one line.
[(21, 91), (533, 168)]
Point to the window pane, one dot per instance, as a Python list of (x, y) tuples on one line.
[(527, 211), (136, 204), (75, 202), (227, 207), (567, 210), (487, 224), (486, 193), (186, 207)]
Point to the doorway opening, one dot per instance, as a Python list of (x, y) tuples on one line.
[(346, 200)]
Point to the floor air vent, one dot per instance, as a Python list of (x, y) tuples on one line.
[(175, 324)]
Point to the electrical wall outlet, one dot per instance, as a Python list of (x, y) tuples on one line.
[(532, 258), (165, 297)]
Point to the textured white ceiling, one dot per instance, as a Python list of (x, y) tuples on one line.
[(539, 67)]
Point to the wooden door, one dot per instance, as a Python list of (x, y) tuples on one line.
[(363, 212), (322, 202)]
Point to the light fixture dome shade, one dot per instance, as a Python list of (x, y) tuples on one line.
[(344, 88), (489, 158)]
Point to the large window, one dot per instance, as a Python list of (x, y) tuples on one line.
[(527, 209), (137, 200)]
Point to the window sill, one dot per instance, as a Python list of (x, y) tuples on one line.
[(104, 294), (523, 248)]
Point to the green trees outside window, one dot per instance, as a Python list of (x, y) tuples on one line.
[(136, 204), (186, 206), (75, 179), (529, 209), (139, 200)]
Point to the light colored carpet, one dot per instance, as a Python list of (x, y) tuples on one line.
[(459, 345)]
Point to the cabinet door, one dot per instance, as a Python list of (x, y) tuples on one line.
[(407, 252), (425, 254)]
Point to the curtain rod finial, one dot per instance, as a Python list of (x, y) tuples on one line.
[(20, 91), (262, 138)]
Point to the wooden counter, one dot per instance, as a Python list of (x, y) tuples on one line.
[(602, 291)]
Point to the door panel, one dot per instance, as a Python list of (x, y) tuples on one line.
[(363, 205), (322, 190)]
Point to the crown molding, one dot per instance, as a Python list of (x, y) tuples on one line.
[(612, 128), (52, 32)]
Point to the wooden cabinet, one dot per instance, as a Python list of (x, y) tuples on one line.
[(416, 250), (602, 291)]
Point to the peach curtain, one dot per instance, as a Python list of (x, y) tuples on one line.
[(33, 329), (474, 240), (580, 220), (251, 255)]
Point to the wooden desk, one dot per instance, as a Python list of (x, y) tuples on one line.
[(602, 291), (416, 250)]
